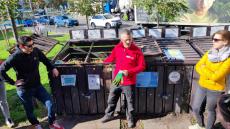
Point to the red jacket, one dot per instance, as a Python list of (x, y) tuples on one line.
[(131, 59)]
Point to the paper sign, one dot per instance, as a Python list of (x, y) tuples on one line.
[(111, 33), (155, 33), (171, 33), (68, 80), (94, 34), (94, 81), (174, 54), (78, 34), (138, 33), (147, 79), (215, 29), (199, 32), (174, 77)]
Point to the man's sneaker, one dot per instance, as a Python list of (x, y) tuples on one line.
[(196, 126), (106, 118), (55, 125), (38, 126), (9, 123), (131, 124)]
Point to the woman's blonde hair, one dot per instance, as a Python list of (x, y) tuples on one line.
[(225, 35)]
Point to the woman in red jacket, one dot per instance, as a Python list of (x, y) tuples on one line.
[(129, 61)]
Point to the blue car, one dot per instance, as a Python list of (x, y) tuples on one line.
[(65, 21), (28, 22), (46, 20)]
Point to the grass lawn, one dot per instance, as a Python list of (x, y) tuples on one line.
[(16, 108)]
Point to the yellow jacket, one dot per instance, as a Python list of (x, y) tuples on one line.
[(212, 75)]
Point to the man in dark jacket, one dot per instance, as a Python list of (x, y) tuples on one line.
[(129, 62), (25, 61)]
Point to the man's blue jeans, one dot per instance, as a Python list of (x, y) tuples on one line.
[(39, 92)]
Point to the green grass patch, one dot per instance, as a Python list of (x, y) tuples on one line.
[(4, 46), (16, 109)]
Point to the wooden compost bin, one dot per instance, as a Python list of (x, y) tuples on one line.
[(80, 99)]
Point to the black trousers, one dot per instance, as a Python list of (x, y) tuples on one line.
[(115, 93)]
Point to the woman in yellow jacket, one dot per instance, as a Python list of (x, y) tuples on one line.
[(213, 68)]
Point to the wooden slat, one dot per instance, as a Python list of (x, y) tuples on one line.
[(150, 100), (68, 100), (83, 90), (178, 90), (142, 100), (76, 100), (169, 90), (159, 91)]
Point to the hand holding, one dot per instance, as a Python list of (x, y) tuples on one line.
[(118, 78), (55, 72), (19, 82)]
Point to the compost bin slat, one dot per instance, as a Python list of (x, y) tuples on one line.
[(150, 100), (159, 91), (169, 90)]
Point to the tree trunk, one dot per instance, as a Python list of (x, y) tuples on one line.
[(31, 6), (87, 21), (158, 20), (14, 28), (102, 6), (7, 39)]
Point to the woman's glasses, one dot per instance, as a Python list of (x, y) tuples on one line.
[(217, 40)]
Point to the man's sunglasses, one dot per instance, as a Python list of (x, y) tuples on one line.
[(29, 46), (216, 40)]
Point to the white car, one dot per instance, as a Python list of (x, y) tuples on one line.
[(105, 20)]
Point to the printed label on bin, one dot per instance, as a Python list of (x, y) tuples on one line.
[(174, 54), (174, 77), (138, 33), (68, 80), (200, 32), (147, 79), (78, 34), (171, 33), (94, 34), (94, 81), (111, 33)]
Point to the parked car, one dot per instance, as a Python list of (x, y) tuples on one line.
[(29, 22), (39, 12), (46, 20), (65, 21), (105, 20), (8, 23)]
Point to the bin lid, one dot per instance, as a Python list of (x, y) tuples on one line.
[(202, 45), (178, 51), (43, 43), (148, 46)]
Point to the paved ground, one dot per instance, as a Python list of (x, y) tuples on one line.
[(93, 122), (180, 121)]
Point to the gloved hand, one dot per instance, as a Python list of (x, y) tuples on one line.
[(118, 78)]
